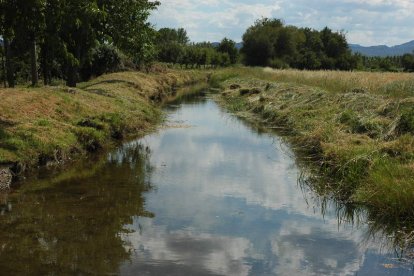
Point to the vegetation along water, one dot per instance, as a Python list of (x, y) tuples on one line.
[(126, 149)]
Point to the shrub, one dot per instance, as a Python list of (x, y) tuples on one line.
[(104, 59)]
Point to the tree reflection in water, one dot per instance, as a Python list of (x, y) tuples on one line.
[(72, 222)]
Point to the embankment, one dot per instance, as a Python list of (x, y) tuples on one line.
[(356, 128), (40, 126)]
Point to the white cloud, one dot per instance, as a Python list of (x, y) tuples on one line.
[(366, 22), (203, 253)]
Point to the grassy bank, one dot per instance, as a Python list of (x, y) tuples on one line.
[(357, 128), (52, 124)]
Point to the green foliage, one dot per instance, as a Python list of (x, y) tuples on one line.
[(104, 59), (173, 47), (270, 43), (382, 64), (67, 33), (229, 46), (168, 35), (407, 62)]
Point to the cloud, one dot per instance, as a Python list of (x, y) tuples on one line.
[(366, 22), (227, 202), (161, 252)]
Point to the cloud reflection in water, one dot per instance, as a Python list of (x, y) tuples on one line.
[(228, 203)]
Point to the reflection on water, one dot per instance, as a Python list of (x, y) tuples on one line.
[(72, 223), (213, 197)]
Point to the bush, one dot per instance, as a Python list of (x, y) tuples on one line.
[(104, 59)]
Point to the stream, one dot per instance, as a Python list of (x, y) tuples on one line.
[(208, 194)]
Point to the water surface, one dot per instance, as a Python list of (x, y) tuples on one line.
[(206, 195)]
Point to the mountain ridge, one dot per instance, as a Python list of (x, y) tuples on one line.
[(383, 50), (371, 51)]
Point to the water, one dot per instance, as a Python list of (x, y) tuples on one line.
[(207, 195)]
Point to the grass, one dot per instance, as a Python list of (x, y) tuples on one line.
[(53, 123), (356, 127)]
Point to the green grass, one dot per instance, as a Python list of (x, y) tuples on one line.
[(48, 124), (356, 127), (389, 188)]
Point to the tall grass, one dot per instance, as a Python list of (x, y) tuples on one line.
[(392, 84), (358, 127)]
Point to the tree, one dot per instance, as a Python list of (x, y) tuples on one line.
[(66, 32), (52, 46), (8, 16), (125, 24), (229, 46), (32, 23), (170, 44), (3, 64), (408, 62), (182, 37), (259, 41), (79, 35), (23, 23), (168, 35), (269, 43)]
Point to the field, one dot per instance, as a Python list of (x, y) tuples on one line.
[(356, 128), (45, 125)]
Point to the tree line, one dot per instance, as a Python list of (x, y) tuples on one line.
[(174, 47), (75, 40), (68, 38), (386, 64), (269, 42)]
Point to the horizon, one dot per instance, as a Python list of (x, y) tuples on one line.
[(364, 22)]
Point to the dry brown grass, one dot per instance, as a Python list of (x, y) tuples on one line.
[(53, 122), (392, 84), (358, 126)]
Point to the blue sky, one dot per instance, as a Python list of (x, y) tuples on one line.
[(366, 22)]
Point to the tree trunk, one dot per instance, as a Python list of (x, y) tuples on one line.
[(9, 63), (33, 57), (3, 67), (72, 76), (45, 68)]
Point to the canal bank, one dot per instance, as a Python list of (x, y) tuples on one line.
[(51, 125), (208, 194), (359, 140)]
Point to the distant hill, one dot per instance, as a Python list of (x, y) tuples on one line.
[(371, 51), (383, 50)]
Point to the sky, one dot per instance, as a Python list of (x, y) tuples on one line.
[(365, 22)]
